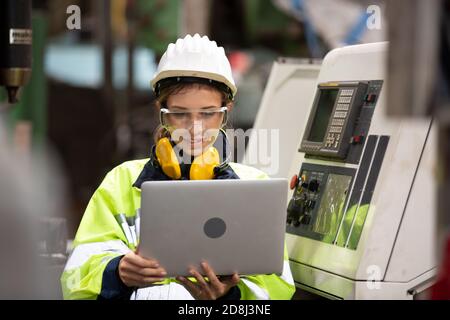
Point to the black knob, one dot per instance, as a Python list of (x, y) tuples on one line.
[(295, 210), (313, 185)]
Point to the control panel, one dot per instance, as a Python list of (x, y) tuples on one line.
[(330, 201), (318, 203), (340, 119)]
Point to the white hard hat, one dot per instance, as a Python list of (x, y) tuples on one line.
[(195, 57)]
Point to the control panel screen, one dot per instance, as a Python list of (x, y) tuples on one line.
[(325, 106), (331, 207)]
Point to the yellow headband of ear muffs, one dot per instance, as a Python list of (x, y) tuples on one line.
[(202, 168)]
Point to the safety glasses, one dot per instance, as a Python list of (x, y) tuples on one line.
[(210, 118)]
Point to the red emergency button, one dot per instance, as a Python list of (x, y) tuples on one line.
[(356, 139), (294, 181)]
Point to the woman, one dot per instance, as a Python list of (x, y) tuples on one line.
[(194, 92)]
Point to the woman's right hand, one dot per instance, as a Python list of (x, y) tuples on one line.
[(137, 271)]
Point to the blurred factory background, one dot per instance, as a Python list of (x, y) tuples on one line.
[(88, 105), (80, 98)]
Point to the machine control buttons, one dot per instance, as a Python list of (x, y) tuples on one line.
[(342, 107), (298, 206), (313, 185), (294, 182), (344, 99), (347, 92), (304, 198), (336, 129), (337, 122), (311, 146), (331, 139), (295, 211), (340, 114), (371, 97), (356, 139)]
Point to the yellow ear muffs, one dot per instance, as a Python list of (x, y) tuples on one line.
[(202, 168), (167, 158)]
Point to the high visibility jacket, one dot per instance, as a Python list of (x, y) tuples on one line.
[(110, 229)]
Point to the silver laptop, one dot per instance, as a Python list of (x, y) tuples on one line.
[(235, 225)]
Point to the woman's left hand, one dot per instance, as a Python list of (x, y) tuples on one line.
[(210, 289)]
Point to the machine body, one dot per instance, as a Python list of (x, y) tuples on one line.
[(361, 219), (361, 215)]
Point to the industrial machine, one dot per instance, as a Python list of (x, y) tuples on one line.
[(361, 219), (361, 216), (15, 45)]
